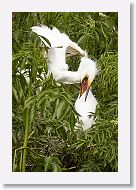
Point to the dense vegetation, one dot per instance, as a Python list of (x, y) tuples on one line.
[(44, 137)]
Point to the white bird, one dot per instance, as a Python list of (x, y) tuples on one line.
[(85, 104), (59, 45)]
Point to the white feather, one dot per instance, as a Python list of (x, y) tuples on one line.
[(56, 38), (87, 67), (52, 35)]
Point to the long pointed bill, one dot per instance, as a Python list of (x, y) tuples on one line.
[(85, 86), (88, 88)]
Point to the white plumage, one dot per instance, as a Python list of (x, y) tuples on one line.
[(59, 44), (86, 108), (55, 37)]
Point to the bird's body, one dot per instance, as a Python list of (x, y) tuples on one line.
[(59, 43)]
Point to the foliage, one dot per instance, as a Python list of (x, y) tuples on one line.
[(44, 136)]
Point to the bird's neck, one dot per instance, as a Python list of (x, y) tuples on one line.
[(57, 55)]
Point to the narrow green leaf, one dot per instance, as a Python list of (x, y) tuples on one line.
[(15, 94), (29, 102)]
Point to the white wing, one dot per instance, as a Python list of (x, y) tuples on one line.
[(56, 38), (53, 35)]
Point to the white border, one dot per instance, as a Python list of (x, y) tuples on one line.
[(6, 174)]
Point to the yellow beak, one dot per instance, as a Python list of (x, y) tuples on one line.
[(88, 88)]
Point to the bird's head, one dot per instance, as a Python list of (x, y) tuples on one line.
[(88, 71), (85, 86)]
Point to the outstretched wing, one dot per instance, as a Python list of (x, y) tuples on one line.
[(53, 38)]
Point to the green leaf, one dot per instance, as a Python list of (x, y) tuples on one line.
[(60, 108), (61, 132), (48, 161), (80, 145), (41, 95), (32, 112), (40, 101), (56, 168), (72, 120), (15, 94), (29, 102)]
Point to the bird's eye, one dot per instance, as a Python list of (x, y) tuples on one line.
[(86, 78)]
